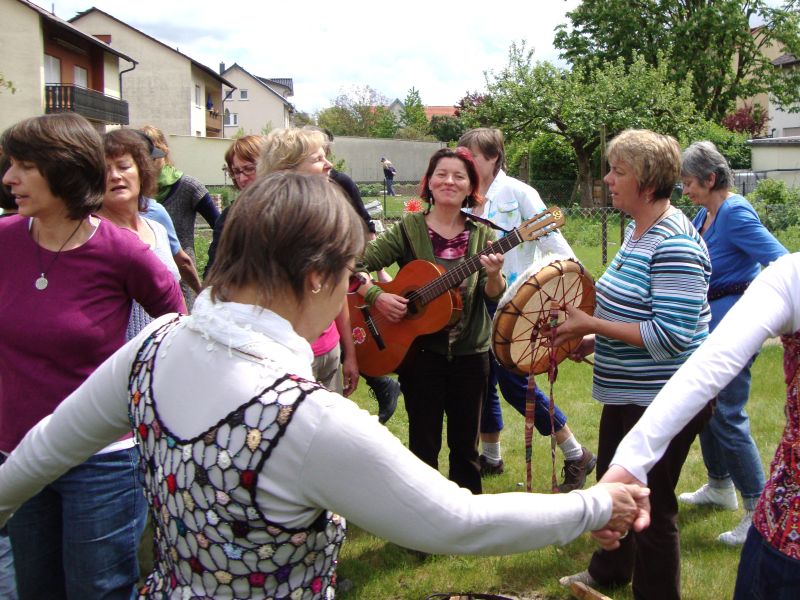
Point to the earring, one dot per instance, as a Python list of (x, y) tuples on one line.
[(316, 290)]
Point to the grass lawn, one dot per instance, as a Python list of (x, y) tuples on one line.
[(381, 570)]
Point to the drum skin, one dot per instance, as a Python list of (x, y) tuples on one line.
[(516, 341)]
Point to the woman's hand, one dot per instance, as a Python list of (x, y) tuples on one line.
[(584, 349), (349, 374), (629, 502), (392, 306), (577, 325), (493, 263)]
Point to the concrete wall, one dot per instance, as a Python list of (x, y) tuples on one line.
[(22, 63), (200, 157), (160, 89), (261, 109), (362, 157), (779, 158)]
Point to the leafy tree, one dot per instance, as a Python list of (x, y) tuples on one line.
[(301, 119), (526, 99), (747, 119), (386, 125), (355, 112), (709, 40), (732, 145), (413, 113), (446, 128)]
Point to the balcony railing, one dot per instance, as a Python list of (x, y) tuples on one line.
[(91, 104), (213, 124)]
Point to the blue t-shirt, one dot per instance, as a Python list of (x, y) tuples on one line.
[(159, 214), (738, 245)]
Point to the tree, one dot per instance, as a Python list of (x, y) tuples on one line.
[(446, 128), (386, 125), (747, 119), (413, 113), (525, 99), (356, 112), (709, 40), (301, 119)]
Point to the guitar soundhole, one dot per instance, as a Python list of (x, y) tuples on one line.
[(413, 309)]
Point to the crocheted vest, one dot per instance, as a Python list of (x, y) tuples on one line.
[(777, 515), (211, 538)]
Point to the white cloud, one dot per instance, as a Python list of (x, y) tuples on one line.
[(440, 48)]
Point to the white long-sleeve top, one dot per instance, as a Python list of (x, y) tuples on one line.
[(333, 456), (769, 307)]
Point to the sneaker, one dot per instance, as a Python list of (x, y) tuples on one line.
[(582, 577), (737, 535), (386, 392), (721, 497), (489, 468), (575, 471)]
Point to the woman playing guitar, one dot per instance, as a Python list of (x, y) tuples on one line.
[(447, 374)]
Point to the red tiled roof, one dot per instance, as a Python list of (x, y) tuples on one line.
[(439, 111)]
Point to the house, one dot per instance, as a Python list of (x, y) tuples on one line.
[(167, 88), (55, 67), (439, 111), (257, 104), (781, 122)]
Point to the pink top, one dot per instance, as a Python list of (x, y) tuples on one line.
[(52, 340), (327, 341)]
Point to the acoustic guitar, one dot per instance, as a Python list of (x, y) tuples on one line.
[(433, 299)]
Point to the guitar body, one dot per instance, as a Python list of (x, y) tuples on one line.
[(383, 353)]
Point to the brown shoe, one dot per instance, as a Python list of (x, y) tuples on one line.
[(575, 471), (488, 468)]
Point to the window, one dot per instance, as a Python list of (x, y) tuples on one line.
[(243, 95), (231, 119), (197, 96), (81, 78), (52, 69)]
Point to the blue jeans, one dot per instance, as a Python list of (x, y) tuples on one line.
[(514, 388), (765, 573), (728, 448), (8, 584), (79, 536)]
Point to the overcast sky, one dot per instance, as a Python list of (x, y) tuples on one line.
[(442, 48)]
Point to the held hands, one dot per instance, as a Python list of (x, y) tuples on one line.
[(392, 306), (623, 488)]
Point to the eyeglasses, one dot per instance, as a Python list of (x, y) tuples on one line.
[(246, 170)]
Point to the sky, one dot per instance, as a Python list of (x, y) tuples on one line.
[(440, 48)]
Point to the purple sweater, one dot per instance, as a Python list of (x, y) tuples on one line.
[(52, 340)]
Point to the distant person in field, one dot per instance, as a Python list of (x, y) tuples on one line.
[(388, 175)]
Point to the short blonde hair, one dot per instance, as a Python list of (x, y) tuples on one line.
[(654, 158), (489, 141), (285, 149), (281, 228)]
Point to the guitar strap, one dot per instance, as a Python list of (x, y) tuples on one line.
[(486, 222)]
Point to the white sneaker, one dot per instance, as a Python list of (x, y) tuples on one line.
[(722, 497), (582, 577), (737, 535)]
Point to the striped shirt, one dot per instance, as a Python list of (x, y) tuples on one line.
[(659, 281)]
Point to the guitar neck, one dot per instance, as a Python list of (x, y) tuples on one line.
[(455, 276)]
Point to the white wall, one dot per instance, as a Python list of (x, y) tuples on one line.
[(779, 158), (202, 157), (362, 157)]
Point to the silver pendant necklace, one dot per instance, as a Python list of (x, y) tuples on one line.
[(41, 282)]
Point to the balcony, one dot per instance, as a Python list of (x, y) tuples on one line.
[(89, 103), (213, 123)]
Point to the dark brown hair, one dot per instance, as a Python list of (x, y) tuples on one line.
[(465, 156), (126, 141), (284, 226), (68, 152)]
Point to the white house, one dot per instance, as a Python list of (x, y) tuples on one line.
[(258, 104)]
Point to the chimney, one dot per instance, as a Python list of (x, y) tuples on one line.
[(221, 68)]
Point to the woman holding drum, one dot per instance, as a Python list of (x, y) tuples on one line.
[(651, 315)]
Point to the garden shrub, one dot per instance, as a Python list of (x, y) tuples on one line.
[(777, 205)]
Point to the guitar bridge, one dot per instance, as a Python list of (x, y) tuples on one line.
[(373, 328)]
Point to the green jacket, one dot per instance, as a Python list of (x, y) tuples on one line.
[(390, 247)]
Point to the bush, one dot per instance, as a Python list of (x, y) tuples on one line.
[(777, 205), (733, 146), (370, 189)]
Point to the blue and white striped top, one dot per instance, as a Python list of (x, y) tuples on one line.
[(659, 281)]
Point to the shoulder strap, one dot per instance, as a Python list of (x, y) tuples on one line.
[(486, 222)]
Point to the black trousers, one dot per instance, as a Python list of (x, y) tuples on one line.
[(650, 558), (434, 387)]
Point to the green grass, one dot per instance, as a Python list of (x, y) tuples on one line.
[(381, 570)]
